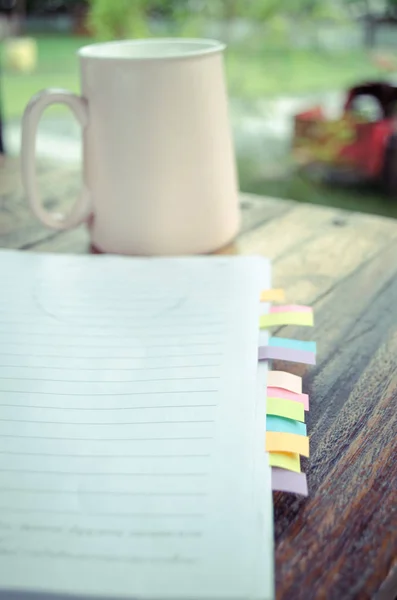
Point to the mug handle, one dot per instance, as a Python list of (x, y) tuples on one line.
[(30, 121)]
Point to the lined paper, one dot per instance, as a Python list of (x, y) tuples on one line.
[(128, 398)]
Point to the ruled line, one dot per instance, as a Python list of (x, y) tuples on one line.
[(108, 309), (12, 509), (108, 424), (141, 321), (58, 311), (55, 304), (145, 356), (62, 368), (107, 320), (108, 408), (146, 322), (110, 394), (145, 439), (102, 473), (80, 346), (112, 334), (105, 493), (171, 559), (105, 381), (55, 307), (68, 455)]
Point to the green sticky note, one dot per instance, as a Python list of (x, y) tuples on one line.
[(286, 318), (285, 408)]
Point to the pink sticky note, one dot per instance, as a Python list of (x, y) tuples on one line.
[(288, 481), (291, 308), (276, 392)]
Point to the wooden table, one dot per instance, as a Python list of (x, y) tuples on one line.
[(341, 542)]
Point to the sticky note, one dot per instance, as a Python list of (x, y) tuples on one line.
[(276, 392), (287, 481), (291, 308), (281, 342), (284, 380), (275, 295), (285, 460), (286, 318), (285, 408), (288, 354), (283, 425), (287, 442)]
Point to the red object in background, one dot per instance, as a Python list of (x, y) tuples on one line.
[(353, 143), (367, 152)]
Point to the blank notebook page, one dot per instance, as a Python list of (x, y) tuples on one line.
[(131, 428)]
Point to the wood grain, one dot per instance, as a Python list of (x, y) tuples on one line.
[(341, 542)]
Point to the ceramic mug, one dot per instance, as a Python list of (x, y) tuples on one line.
[(158, 169)]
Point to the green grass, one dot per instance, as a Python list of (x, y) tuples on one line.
[(57, 68), (252, 72), (367, 199), (268, 72)]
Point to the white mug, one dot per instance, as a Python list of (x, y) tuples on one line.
[(159, 172)]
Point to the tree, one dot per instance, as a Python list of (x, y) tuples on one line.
[(373, 12), (110, 19)]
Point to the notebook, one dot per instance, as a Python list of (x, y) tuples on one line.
[(132, 413)]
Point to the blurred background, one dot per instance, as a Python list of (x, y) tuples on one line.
[(283, 57)]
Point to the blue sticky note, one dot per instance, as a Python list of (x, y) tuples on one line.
[(293, 344), (283, 425)]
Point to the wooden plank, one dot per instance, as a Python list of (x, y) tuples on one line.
[(351, 510), (18, 227), (312, 248), (75, 241), (255, 212)]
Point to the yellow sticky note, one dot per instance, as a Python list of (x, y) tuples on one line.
[(276, 295), (286, 318), (284, 380), (285, 408), (287, 442), (285, 460)]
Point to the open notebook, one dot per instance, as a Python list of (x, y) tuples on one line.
[(132, 413)]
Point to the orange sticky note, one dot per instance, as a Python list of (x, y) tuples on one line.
[(284, 380), (287, 442), (276, 295), (285, 460)]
